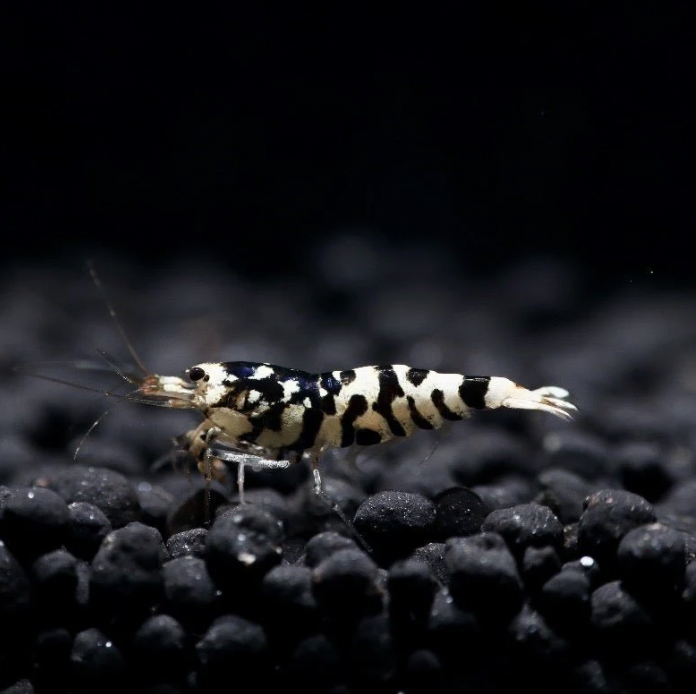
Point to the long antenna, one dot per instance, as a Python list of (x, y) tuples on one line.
[(112, 363), (131, 397), (112, 313), (95, 423)]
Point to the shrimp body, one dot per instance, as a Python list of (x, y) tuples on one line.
[(257, 413), (262, 415)]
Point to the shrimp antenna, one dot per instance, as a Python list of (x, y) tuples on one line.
[(112, 313), (144, 400), (80, 364), (128, 378), (94, 425)]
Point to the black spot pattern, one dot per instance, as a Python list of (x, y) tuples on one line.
[(416, 376), (330, 384), (389, 390), (271, 391), (438, 398), (232, 398), (265, 410), (357, 406), (270, 387), (347, 377), (328, 404), (258, 426), (240, 369), (473, 391), (418, 419), (272, 418), (311, 423)]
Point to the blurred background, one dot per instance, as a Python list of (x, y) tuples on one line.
[(250, 135)]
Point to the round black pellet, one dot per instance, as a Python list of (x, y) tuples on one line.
[(484, 577), (608, 516), (394, 523), (88, 528)]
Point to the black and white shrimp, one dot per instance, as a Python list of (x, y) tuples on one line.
[(265, 416)]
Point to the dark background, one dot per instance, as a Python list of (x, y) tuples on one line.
[(243, 135)]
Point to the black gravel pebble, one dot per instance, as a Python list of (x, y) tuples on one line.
[(412, 589), (618, 619), (127, 570), (484, 577), (346, 585), (160, 648), (97, 661), (187, 543), (271, 501), (108, 490), (394, 523), (289, 605), (588, 566), (54, 577), (526, 525), (242, 545), (564, 493), (539, 564), (88, 528), (459, 511), (316, 663), (564, 600), (34, 521), (651, 560), (534, 639), (14, 590), (189, 592), (608, 516), (371, 655), (155, 505), (232, 647), (433, 554), (451, 629), (325, 544)]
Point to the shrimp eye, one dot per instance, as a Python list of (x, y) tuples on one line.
[(196, 373)]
